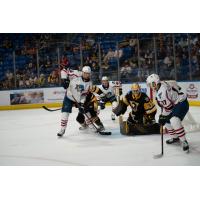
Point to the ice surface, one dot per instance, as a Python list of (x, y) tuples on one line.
[(28, 137)]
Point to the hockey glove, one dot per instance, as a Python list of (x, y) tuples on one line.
[(81, 108), (163, 119), (65, 83), (102, 104)]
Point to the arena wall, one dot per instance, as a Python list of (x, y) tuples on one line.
[(52, 97)]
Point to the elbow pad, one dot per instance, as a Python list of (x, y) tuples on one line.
[(65, 83)]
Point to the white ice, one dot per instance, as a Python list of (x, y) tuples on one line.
[(28, 137)]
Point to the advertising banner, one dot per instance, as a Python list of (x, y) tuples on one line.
[(56, 95), (4, 98), (52, 95), (26, 97)]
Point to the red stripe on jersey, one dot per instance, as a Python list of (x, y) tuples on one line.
[(65, 71), (73, 75), (70, 73)]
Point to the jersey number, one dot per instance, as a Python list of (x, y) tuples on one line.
[(163, 102)]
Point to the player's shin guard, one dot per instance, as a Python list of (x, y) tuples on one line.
[(98, 122), (89, 122)]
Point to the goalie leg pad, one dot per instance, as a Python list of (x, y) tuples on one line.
[(139, 129)]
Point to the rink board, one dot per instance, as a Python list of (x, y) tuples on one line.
[(53, 97)]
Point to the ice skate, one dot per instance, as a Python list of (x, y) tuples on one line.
[(61, 133), (101, 128), (172, 140), (113, 116), (185, 146), (83, 127)]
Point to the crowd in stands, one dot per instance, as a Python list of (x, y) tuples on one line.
[(38, 62)]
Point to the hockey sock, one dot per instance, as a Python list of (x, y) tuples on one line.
[(64, 120), (178, 128)]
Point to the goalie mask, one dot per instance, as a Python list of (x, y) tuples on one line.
[(152, 81), (136, 91)]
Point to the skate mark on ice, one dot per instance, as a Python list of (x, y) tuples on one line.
[(44, 159)]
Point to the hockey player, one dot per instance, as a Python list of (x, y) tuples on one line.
[(90, 106), (78, 86), (108, 95), (142, 114), (174, 105)]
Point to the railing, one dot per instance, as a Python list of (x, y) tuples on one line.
[(172, 56)]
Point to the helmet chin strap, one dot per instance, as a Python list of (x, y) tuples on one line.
[(158, 86), (85, 79)]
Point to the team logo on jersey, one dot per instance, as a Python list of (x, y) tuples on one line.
[(79, 87), (160, 94), (134, 105), (192, 91)]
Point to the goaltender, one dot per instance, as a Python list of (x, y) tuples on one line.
[(141, 119)]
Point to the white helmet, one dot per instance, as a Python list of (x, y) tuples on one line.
[(86, 69), (153, 80), (104, 78)]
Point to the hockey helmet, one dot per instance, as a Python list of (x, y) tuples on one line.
[(105, 81), (86, 69), (153, 80), (86, 73), (136, 90), (104, 78)]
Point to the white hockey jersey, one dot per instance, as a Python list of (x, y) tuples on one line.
[(108, 92), (77, 87), (168, 96)]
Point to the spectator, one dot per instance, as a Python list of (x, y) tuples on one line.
[(64, 62), (167, 61), (116, 53), (41, 81), (109, 55), (9, 75), (48, 62), (126, 71), (95, 67), (27, 83), (33, 80), (21, 82), (53, 78)]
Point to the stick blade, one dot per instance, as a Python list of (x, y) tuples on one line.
[(104, 133), (158, 156)]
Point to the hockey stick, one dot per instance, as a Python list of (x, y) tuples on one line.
[(117, 93), (100, 132), (51, 110), (162, 147)]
